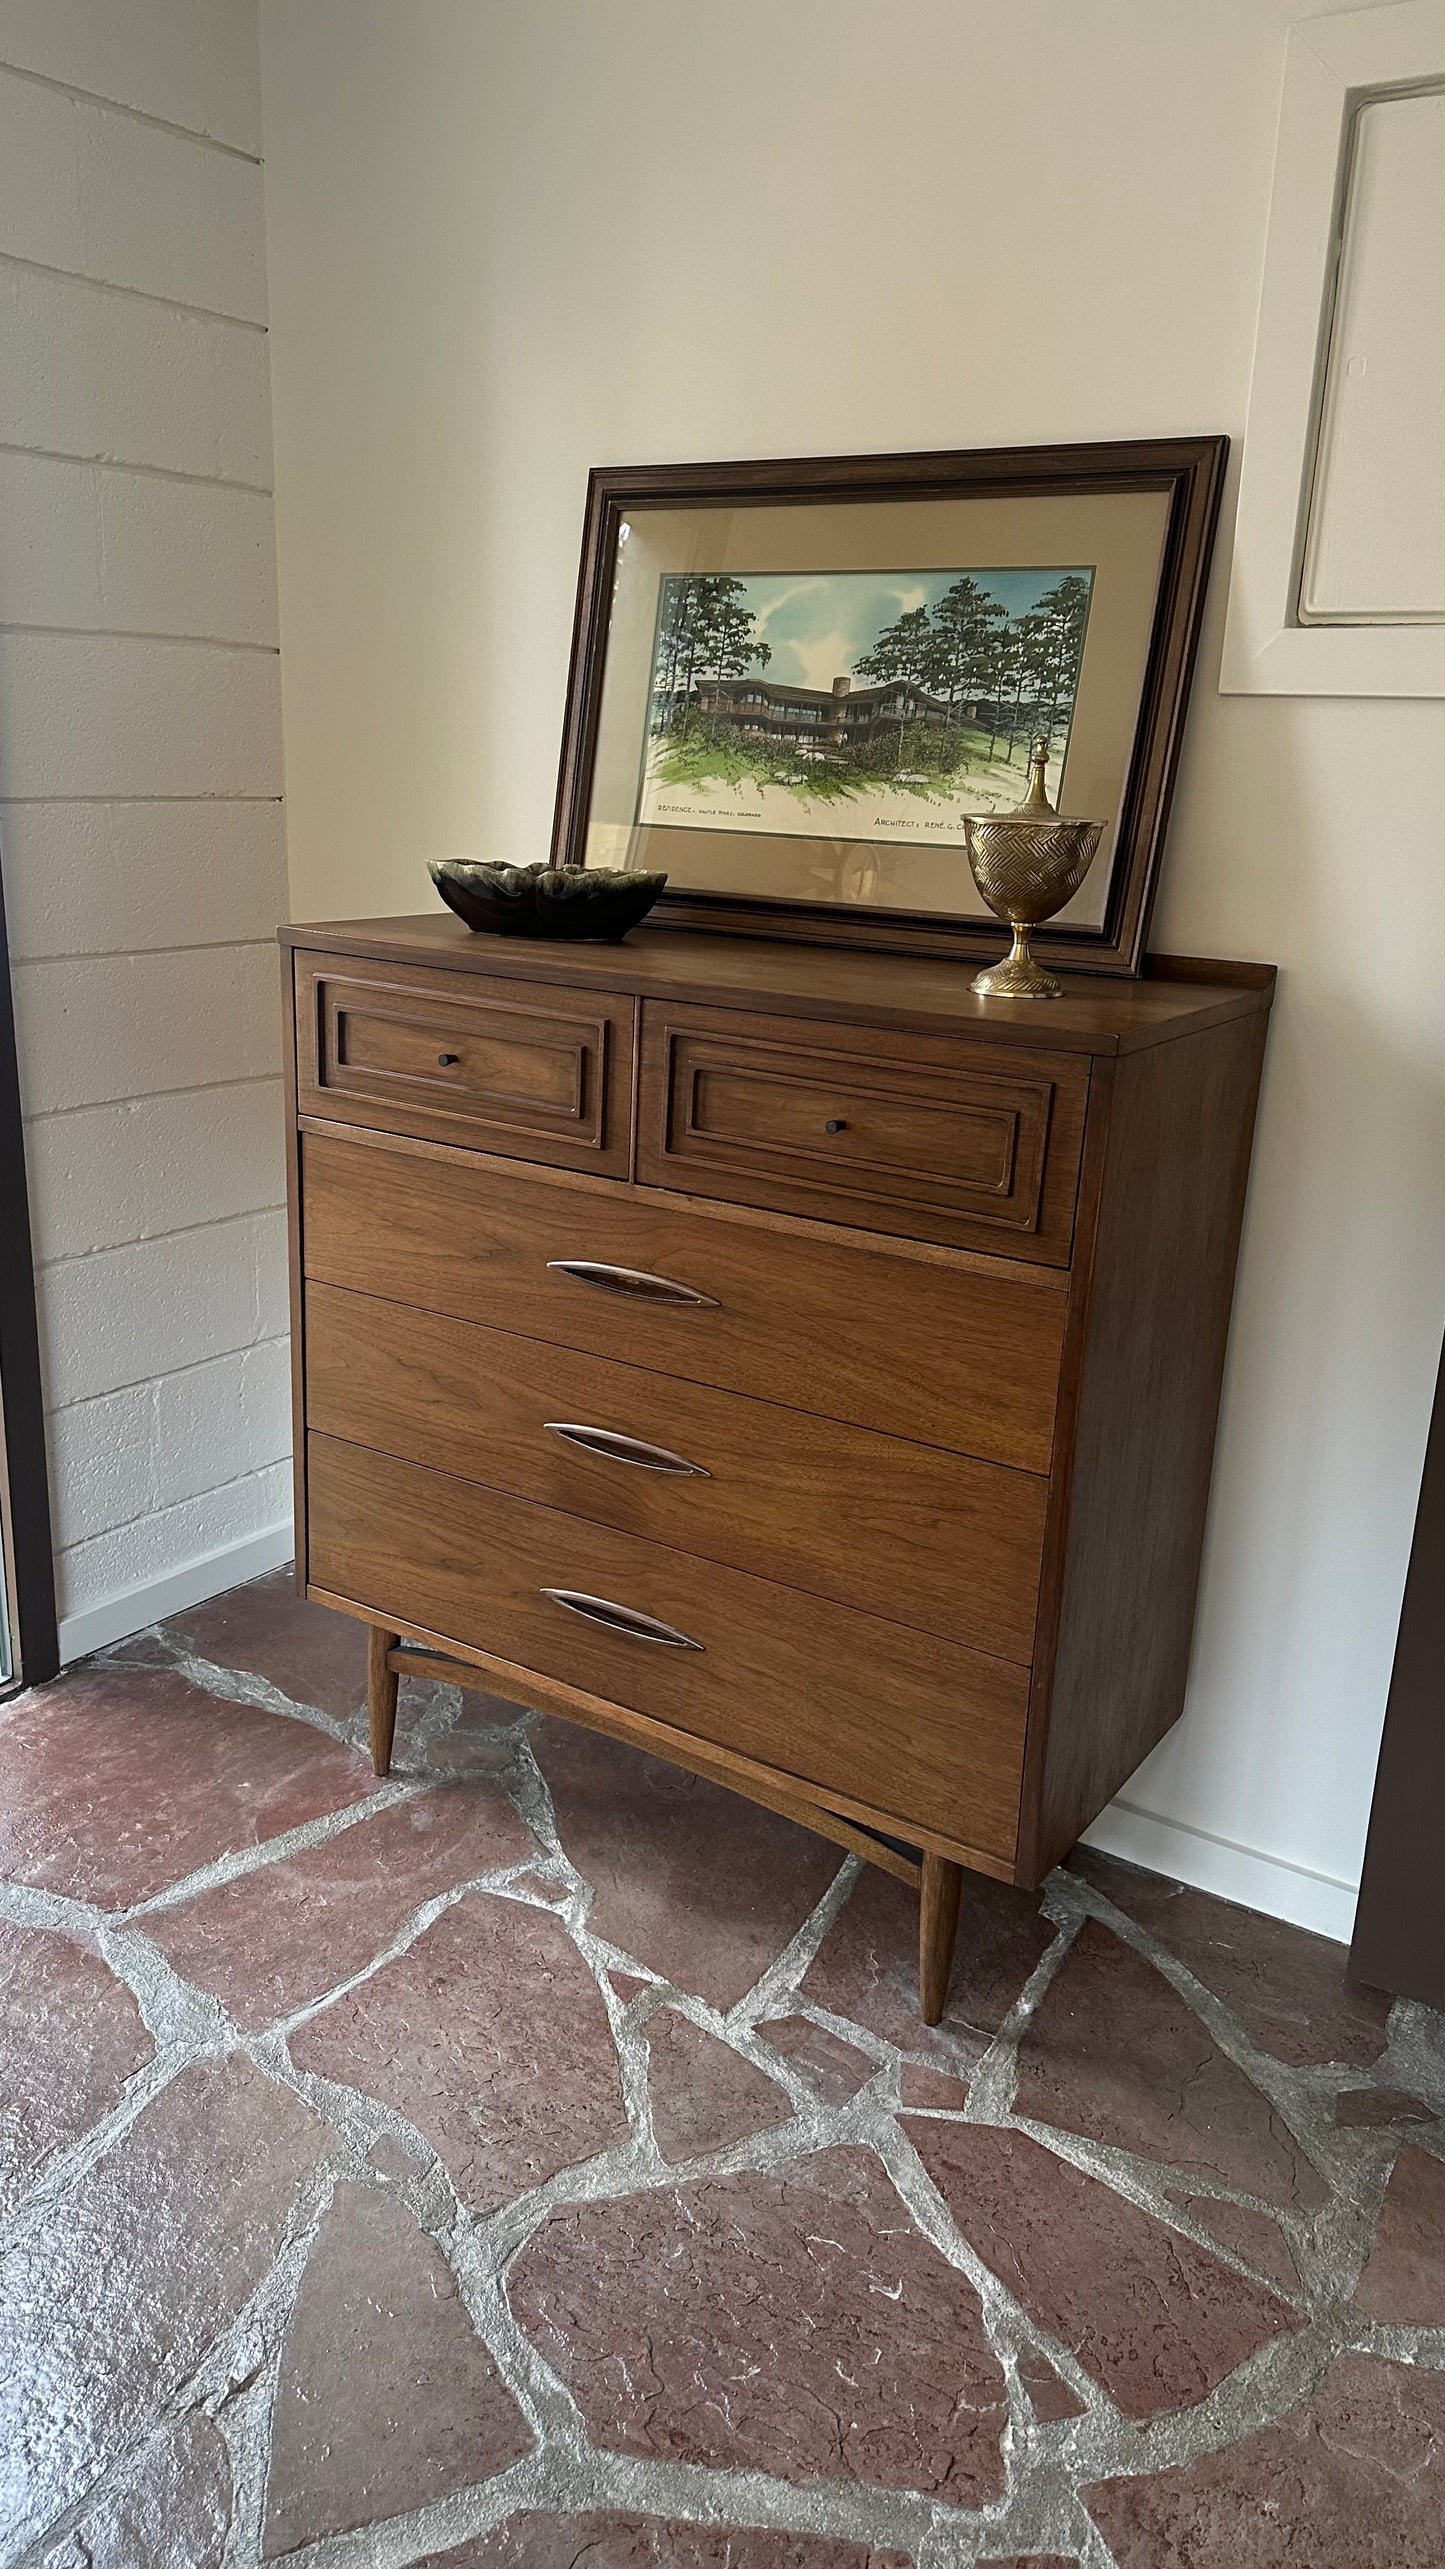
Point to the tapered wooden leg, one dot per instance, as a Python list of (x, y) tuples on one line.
[(937, 1927), (381, 1694)]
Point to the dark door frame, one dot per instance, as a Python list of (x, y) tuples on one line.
[(30, 1561), (1399, 1941)]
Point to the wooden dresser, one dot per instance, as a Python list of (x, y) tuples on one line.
[(776, 1357)]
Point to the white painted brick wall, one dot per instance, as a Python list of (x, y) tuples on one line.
[(140, 784), (92, 373), (109, 195), (102, 548), (145, 1166), (95, 1027), (108, 714), (114, 878), (191, 62)]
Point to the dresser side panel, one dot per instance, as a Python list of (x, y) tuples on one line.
[(1155, 1329)]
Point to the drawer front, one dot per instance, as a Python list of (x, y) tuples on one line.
[(532, 1072), (903, 1531), (917, 1728), (935, 1353), (973, 1145)]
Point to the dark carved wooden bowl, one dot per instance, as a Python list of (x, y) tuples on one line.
[(545, 900)]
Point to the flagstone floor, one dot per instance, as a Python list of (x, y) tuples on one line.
[(537, 2160)]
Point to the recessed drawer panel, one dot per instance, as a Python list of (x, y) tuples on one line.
[(973, 1144), (920, 1729), (905, 1531), (534, 1072), (936, 1352)]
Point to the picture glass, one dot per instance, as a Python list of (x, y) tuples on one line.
[(897, 701), (805, 702)]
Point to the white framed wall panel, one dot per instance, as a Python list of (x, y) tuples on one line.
[(1349, 342)]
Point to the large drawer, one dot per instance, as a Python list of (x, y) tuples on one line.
[(900, 1530), (974, 1144), (917, 1728), (527, 1069), (944, 1354)]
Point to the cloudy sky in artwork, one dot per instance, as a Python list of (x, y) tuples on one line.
[(818, 624)]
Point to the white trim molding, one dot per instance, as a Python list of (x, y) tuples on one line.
[(189, 1584), (1332, 66), (1246, 1874)]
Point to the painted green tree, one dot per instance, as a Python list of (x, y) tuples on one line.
[(1056, 644), (704, 630), (902, 653), (966, 622)]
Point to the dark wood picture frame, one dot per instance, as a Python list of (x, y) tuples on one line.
[(1190, 469)]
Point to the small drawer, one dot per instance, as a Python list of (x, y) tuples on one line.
[(916, 1728), (528, 1071), (905, 1531), (967, 1143), (937, 1351)]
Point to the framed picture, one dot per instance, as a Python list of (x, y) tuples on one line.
[(792, 682)]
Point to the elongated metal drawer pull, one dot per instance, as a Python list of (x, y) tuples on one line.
[(623, 1619), (617, 1448), (633, 1280)]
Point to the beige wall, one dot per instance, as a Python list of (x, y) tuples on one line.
[(140, 782), (509, 242)]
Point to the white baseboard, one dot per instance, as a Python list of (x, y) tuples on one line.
[(1247, 1874), (189, 1584)]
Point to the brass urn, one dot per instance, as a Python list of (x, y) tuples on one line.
[(1027, 863)]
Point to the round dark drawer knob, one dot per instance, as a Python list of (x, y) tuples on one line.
[(445, 1060), (836, 1124)]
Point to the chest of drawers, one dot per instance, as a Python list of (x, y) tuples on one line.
[(781, 1359)]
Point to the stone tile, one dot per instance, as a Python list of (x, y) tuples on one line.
[(490, 2035), (867, 1965), (310, 1653), (477, 1741), (795, 2323), (1404, 2279), (834, 2069), (1050, 2397), (115, 1782), (113, 2300), (1353, 2479), (1112, 2052), (1250, 2235), (1032, 2560), (172, 2505), (704, 1888), (1290, 1990), (705, 2096), (387, 2398), (604, 2541), (1376, 2108), (70, 2037), (271, 1940), (932, 2087), (1152, 2318)]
